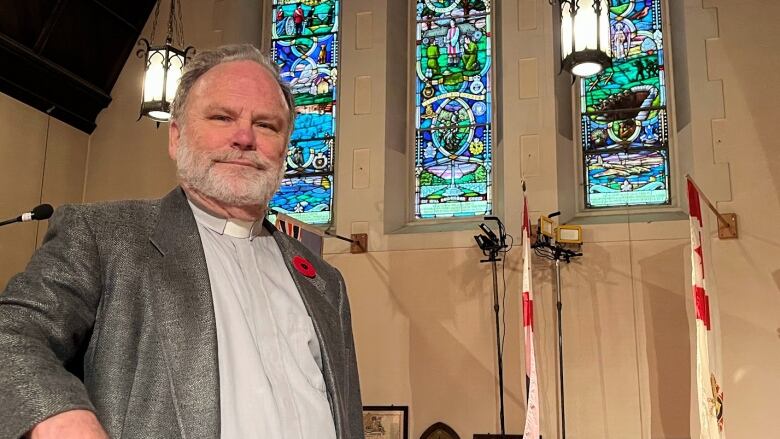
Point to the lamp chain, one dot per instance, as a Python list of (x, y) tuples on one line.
[(154, 23), (171, 17), (179, 24), (175, 35)]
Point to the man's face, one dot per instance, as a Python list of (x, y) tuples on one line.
[(231, 143)]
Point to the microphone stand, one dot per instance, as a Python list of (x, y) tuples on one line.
[(493, 259), (9, 221), (491, 247), (40, 212)]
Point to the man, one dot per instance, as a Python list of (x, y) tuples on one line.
[(298, 19), (188, 316), (470, 61), (453, 43)]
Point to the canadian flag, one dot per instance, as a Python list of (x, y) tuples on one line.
[(531, 430), (709, 394)]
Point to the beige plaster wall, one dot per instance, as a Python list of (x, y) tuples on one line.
[(42, 160), (422, 306), (746, 272)]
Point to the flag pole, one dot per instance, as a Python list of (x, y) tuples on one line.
[(359, 241), (729, 223), (531, 429)]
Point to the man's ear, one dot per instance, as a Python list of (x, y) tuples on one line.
[(174, 134)]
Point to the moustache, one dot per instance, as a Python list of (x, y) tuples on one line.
[(249, 157)]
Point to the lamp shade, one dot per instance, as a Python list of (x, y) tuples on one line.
[(161, 78), (585, 36)]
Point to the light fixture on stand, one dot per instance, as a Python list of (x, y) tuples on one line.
[(561, 243), (163, 66), (585, 36)]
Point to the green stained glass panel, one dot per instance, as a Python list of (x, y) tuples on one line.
[(624, 108), (453, 149)]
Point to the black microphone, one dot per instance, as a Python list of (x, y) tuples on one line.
[(489, 233), (501, 239), (40, 212)]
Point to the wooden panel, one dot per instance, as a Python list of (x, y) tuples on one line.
[(21, 168)]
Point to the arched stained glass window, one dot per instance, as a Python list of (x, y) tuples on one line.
[(453, 138), (625, 125), (306, 47)]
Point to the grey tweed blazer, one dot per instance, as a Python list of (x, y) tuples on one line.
[(114, 314)]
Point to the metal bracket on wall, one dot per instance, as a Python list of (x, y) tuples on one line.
[(727, 222), (359, 243), (727, 226)]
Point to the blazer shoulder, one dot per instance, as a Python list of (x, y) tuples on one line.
[(110, 217)]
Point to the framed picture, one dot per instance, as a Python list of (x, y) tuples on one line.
[(386, 421)]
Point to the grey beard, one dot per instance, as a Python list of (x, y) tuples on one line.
[(245, 187)]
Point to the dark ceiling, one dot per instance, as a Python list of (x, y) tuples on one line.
[(64, 56)]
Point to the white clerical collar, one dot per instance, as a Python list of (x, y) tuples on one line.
[(231, 226)]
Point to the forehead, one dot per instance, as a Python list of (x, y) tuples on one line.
[(238, 82)]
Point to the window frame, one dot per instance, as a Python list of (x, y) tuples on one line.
[(674, 205), (411, 108), (268, 43)]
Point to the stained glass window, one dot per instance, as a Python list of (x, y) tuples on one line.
[(306, 47), (453, 137), (625, 125)]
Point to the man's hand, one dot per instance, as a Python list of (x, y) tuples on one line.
[(73, 424)]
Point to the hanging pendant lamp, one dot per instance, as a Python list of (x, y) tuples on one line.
[(163, 67)]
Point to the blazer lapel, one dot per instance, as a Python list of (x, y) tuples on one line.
[(321, 301), (184, 314)]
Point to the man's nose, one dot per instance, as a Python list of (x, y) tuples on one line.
[(244, 137)]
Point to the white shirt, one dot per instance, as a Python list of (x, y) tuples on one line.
[(270, 366)]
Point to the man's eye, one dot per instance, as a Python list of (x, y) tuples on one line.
[(270, 126), (220, 117)]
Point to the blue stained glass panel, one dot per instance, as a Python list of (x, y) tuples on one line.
[(306, 49), (428, 9), (310, 157), (305, 198), (307, 64), (453, 171), (453, 156), (627, 178), (624, 109), (314, 122)]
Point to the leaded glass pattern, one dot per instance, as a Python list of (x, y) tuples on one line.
[(453, 137), (624, 118), (305, 46)]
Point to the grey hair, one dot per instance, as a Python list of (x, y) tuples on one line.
[(204, 61)]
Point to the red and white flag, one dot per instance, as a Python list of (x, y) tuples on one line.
[(531, 430), (709, 394), (308, 235)]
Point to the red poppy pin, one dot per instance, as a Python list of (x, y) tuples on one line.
[(304, 266)]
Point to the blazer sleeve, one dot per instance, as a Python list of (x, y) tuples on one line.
[(46, 317)]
